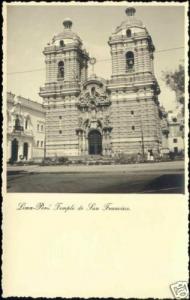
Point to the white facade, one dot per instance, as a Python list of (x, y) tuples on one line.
[(176, 131), (25, 129)]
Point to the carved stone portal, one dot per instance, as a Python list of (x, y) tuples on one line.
[(94, 126)]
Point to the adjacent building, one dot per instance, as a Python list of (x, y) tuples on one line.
[(176, 131), (25, 129)]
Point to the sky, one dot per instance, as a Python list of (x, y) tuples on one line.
[(31, 27)]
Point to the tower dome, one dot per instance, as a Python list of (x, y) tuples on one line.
[(130, 22), (67, 35)]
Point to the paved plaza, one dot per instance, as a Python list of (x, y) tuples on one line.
[(164, 177)]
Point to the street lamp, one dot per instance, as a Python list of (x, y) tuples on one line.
[(92, 61), (44, 133), (142, 139)]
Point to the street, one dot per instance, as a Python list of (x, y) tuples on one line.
[(164, 177)]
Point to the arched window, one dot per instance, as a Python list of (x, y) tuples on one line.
[(61, 43), (17, 122), (93, 91), (61, 70), (129, 60), (18, 126), (26, 124), (128, 33)]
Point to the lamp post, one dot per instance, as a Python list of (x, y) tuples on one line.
[(44, 133), (92, 62), (142, 139)]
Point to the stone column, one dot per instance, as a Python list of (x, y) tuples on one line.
[(83, 143), (29, 150), (86, 143), (79, 147), (20, 149), (108, 144), (104, 142), (8, 150), (80, 140)]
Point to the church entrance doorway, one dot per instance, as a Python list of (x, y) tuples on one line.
[(95, 142), (14, 150), (25, 151)]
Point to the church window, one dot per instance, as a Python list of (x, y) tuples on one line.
[(132, 112), (41, 143), (128, 33), (60, 131), (129, 60), (61, 43), (38, 143), (18, 124), (175, 140), (38, 127), (42, 127), (60, 117), (61, 70), (133, 127), (93, 91), (26, 124)]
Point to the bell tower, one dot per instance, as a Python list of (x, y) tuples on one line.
[(134, 89), (66, 69)]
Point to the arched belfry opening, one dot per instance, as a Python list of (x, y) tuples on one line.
[(95, 142), (129, 60), (61, 70), (61, 43), (128, 33)]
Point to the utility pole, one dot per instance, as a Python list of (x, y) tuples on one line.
[(45, 135), (142, 139)]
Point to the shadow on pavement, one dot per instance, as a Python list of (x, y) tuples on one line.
[(167, 182)]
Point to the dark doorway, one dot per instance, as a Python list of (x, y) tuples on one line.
[(176, 150), (25, 151), (14, 150), (95, 142)]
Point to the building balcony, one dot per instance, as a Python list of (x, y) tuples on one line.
[(57, 88), (18, 128), (118, 38), (131, 79), (19, 131)]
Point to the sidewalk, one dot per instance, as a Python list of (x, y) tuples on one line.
[(174, 165)]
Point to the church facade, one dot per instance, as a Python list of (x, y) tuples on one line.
[(93, 116)]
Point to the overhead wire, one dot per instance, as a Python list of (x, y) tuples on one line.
[(97, 61)]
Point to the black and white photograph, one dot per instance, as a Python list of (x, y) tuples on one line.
[(95, 150), (95, 99)]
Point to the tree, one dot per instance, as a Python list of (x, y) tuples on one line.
[(176, 81)]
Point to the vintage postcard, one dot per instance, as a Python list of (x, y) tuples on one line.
[(95, 149)]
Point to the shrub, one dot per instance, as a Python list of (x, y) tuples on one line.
[(10, 161), (20, 163), (62, 160), (31, 162)]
